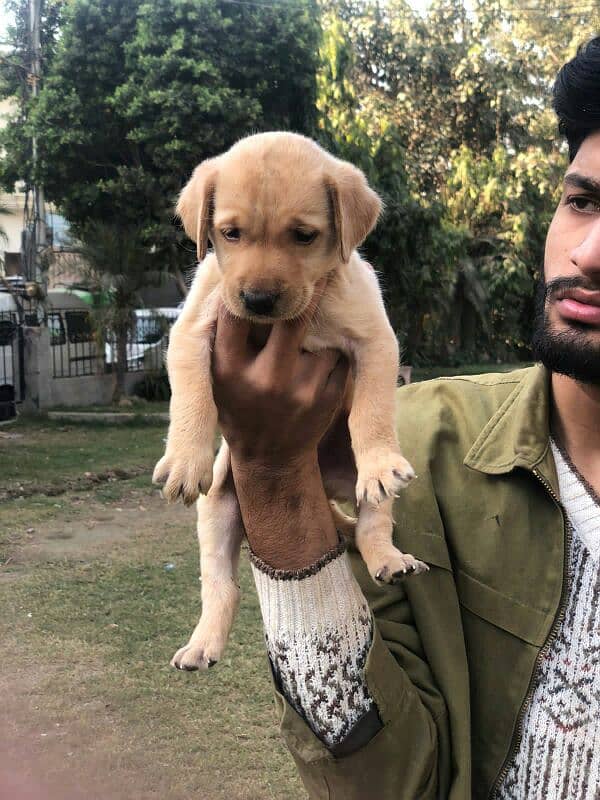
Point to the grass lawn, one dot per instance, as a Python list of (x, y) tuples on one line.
[(40, 451), (98, 588)]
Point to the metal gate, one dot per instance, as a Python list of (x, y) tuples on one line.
[(12, 372)]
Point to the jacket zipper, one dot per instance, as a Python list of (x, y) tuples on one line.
[(560, 614)]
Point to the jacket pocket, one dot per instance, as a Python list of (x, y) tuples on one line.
[(500, 610)]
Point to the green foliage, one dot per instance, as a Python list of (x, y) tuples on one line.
[(448, 113), (153, 386), (504, 202)]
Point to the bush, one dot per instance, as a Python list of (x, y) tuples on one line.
[(154, 386)]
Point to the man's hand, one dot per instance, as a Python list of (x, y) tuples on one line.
[(275, 404)]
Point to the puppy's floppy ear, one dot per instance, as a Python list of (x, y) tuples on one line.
[(195, 204), (354, 204)]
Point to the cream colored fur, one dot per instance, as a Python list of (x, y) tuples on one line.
[(268, 185)]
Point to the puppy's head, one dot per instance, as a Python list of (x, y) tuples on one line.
[(281, 213)]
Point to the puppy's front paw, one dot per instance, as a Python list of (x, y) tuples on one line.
[(195, 656), (397, 567), (382, 473), (185, 474)]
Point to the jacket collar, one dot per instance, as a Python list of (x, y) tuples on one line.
[(518, 434)]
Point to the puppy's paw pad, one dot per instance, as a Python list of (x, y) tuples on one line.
[(185, 476), (398, 568), (161, 470), (403, 472), (192, 658)]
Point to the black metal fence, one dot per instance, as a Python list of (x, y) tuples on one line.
[(12, 372), (73, 347), (76, 348)]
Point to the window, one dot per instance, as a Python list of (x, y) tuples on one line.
[(79, 328), (57, 329)]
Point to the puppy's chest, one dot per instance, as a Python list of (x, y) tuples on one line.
[(328, 337), (318, 338)]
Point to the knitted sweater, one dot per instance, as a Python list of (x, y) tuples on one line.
[(318, 630), (559, 751)]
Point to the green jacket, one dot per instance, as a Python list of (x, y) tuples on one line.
[(455, 649)]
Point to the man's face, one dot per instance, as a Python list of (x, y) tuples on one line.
[(567, 336)]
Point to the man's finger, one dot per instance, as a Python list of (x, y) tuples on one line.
[(231, 338), (315, 368), (338, 378), (286, 336)]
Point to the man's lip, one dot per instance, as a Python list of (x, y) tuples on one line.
[(573, 310), (590, 298)]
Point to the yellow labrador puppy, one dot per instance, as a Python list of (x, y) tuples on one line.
[(282, 214)]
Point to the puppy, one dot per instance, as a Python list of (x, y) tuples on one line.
[(281, 214)]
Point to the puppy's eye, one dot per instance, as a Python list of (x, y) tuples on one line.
[(305, 237), (302, 236), (231, 234)]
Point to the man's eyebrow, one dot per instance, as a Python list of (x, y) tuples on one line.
[(584, 182)]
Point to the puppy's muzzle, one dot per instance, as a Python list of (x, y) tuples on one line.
[(261, 303)]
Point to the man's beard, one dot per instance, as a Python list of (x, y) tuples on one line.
[(570, 351)]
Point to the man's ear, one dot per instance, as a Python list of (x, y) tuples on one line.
[(355, 207), (195, 204)]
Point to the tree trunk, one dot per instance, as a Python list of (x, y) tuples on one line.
[(181, 281), (414, 336), (121, 365)]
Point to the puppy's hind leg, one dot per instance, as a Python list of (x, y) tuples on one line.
[(220, 534)]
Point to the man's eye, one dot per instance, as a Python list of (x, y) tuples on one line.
[(583, 204), (305, 237), (231, 234)]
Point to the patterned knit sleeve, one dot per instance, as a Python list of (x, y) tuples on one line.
[(318, 631)]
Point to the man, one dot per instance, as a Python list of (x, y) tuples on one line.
[(480, 678)]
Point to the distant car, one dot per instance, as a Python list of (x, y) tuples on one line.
[(147, 345)]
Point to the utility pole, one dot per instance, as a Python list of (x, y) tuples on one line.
[(34, 235)]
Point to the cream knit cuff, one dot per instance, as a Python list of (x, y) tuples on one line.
[(318, 630)]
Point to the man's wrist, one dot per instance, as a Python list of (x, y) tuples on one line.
[(285, 511)]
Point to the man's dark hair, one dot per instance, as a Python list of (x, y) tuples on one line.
[(577, 96)]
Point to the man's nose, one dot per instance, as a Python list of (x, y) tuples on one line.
[(586, 256), (259, 302)]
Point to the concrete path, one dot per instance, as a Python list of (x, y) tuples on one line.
[(115, 417)]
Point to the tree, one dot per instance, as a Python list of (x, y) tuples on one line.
[(413, 247), (137, 93), (450, 115), (119, 266), (15, 63)]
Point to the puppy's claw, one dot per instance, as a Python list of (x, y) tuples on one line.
[(381, 574)]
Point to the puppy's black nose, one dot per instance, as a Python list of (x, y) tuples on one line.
[(259, 302)]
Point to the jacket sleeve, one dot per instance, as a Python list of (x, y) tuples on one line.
[(393, 750)]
